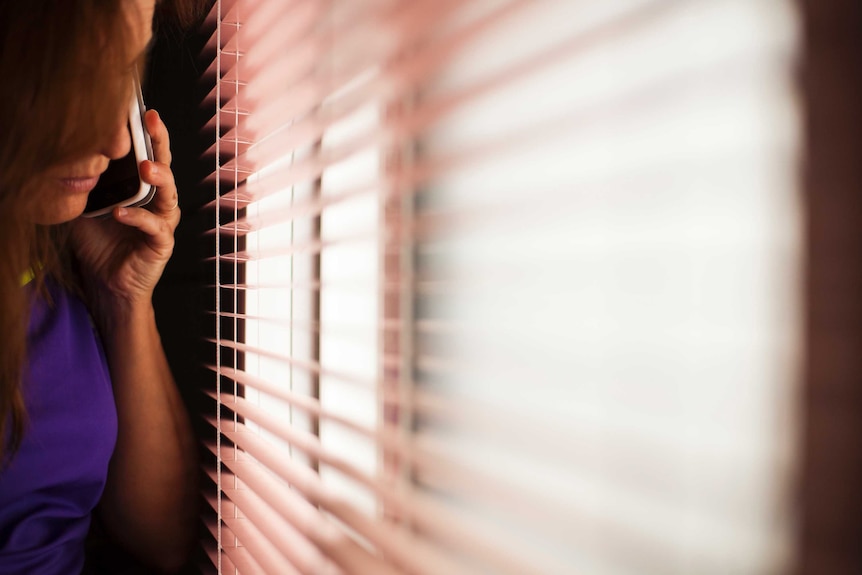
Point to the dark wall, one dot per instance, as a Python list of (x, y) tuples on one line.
[(184, 298), (831, 495)]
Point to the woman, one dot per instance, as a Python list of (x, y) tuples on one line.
[(90, 418)]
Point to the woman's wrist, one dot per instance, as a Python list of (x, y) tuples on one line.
[(116, 315)]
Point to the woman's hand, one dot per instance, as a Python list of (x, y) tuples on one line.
[(123, 257)]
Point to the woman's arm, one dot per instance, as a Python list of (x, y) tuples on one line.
[(149, 503), (150, 499)]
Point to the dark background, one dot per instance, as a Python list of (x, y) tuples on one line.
[(184, 299)]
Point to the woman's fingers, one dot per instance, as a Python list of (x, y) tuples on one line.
[(161, 219), (159, 231), (159, 136), (158, 173), (166, 199)]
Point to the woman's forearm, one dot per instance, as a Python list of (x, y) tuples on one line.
[(150, 500)]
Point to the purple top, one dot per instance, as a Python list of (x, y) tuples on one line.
[(50, 488)]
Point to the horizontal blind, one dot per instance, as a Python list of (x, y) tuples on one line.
[(504, 286)]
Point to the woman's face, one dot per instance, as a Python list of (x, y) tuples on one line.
[(63, 189)]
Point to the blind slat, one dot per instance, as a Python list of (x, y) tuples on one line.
[(310, 366), (312, 128), (292, 544), (409, 551), (463, 534), (234, 558), (332, 541), (304, 248), (264, 553), (309, 90), (238, 533), (304, 403), (305, 442)]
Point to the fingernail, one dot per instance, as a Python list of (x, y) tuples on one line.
[(122, 212), (154, 169)]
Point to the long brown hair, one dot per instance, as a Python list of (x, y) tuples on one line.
[(66, 67)]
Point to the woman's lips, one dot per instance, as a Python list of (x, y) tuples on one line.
[(80, 184)]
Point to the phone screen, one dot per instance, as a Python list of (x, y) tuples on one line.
[(118, 183)]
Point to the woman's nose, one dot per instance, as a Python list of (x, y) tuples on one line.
[(119, 143)]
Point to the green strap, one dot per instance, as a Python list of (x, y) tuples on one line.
[(27, 277)]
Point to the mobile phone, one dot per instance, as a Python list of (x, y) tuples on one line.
[(121, 184)]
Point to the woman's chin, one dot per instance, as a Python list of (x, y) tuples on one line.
[(60, 208)]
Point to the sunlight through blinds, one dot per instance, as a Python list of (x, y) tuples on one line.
[(504, 286)]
